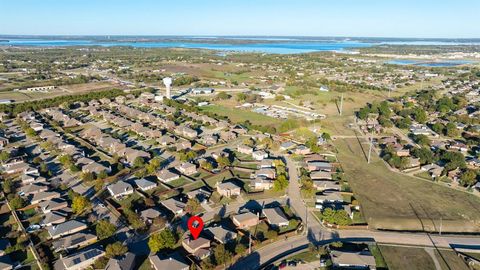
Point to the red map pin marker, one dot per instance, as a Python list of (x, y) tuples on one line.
[(195, 225)]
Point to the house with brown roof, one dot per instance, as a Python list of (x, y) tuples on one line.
[(245, 220), (228, 189), (166, 176), (200, 247), (187, 168)]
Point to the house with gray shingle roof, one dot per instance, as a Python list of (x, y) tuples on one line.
[(66, 228)]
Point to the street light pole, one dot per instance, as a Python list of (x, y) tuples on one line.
[(370, 149)]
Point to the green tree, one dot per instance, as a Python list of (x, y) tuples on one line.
[(162, 240), (222, 255), (80, 204), (7, 186), (17, 202), (453, 160), (4, 156), (280, 183), (468, 178), (424, 154), (451, 130), (115, 249), (104, 229), (138, 162), (421, 139)]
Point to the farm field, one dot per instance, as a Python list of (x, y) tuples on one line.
[(398, 202)]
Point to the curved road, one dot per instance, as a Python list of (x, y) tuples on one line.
[(320, 235)]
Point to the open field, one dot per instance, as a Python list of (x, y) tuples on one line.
[(238, 115), (59, 91), (397, 202), (450, 260), (399, 258)]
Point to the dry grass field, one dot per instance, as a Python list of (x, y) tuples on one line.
[(394, 201)]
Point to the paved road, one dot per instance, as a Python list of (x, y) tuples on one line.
[(321, 235), (315, 230)]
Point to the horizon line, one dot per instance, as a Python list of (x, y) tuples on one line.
[(226, 36)]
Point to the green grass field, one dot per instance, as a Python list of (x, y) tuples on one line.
[(394, 201)]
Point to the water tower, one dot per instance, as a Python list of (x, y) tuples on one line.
[(168, 83)]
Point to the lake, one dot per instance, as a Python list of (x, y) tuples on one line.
[(264, 45), (423, 63)]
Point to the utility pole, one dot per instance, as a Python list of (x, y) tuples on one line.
[(370, 149), (341, 105), (441, 224), (249, 242)]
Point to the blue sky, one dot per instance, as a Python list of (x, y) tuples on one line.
[(370, 18)]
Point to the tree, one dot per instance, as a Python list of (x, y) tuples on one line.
[(280, 183), (104, 229), (206, 165), (424, 154), (80, 204), (192, 205), (223, 161), (87, 176), (420, 116), (421, 139), (223, 95), (221, 255), (451, 130), (4, 156), (7, 186), (115, 249), (102, 175), (468, 178), (164, 239), (453, 160), (138, 162), (17, 202)]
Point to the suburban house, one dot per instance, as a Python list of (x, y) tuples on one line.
[(275, 217), (259, 155), (167, 176), (344, 259), (245, 149), (120, 189), (266, 173), (173, 262), (245, 220), (174, 206), (52, 205), (74, 241), (200, 247), (54, 217), (228, 189), (187, 168), (201, 194), (78, 261), (261, 183), (319, 166), (149, 214), (44, 196), (221, 234), (124, 262), (66, 228), (144, 184)]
